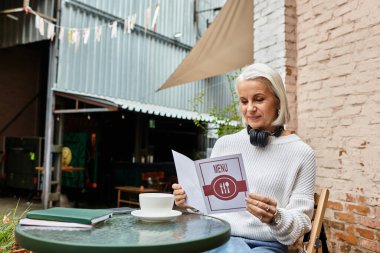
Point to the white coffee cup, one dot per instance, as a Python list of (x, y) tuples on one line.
[(157, 204)]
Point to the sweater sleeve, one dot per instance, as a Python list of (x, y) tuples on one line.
[(296, 216)]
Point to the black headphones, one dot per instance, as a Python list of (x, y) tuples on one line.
[(259, 137)]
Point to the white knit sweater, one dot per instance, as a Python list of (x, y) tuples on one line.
[(283, 170)]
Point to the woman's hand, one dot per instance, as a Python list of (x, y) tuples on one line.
[(179, 196), (262, 207)]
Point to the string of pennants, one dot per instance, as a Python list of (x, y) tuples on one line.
[(76, 35)]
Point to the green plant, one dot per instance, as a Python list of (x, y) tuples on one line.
[(7, 229), (225, 120)]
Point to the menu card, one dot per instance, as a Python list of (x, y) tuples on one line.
[(213, 185)]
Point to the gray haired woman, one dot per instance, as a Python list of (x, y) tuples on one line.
[(280, 168)]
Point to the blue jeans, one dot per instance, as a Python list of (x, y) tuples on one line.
[(242, 245)]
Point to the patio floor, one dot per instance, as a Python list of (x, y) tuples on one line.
[(8, 203)]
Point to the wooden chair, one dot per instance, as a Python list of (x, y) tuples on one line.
[(152, 183), (312, 240), (131, 194)]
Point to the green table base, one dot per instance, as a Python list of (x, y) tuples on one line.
[(125, 233)]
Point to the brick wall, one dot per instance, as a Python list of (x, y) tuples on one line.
[(338, 103), (291, 60), (275, 44), (269, 34)]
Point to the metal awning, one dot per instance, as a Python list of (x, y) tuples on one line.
[(105, 103), (225, 46)]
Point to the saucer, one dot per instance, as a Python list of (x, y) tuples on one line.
[(155, 218)]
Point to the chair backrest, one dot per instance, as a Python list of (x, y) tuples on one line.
[(169, 183), (153, 179), (319, 213), (153, 174)]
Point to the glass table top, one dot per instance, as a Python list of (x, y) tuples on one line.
[(125, 233)]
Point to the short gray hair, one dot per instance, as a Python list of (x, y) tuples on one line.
[(258, 70)]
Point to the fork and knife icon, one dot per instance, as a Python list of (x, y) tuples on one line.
[(224, 187)]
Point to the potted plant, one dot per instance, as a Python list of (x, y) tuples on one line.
[(7, 231)]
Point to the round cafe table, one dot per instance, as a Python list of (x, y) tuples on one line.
[(126, 233)]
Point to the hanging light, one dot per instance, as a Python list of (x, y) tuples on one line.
[(152, 123)]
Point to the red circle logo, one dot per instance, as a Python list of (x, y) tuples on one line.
[(224, 187)]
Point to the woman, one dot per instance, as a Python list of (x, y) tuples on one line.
[(280, 169)]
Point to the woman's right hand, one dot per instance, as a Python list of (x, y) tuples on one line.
[(179, 196)]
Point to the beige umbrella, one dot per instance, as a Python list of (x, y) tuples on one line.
[(225, 46)]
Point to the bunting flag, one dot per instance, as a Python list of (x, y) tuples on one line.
[(114, 30), (133, 21), (77, 39), (76, 36), (127, 28), (61, 34), (86, 35), (129, 23), (37, 22), (98, 33), (155, 17), (69, 36), (50, 31), (41, 27)]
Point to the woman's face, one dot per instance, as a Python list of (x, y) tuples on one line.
[(258, 104)]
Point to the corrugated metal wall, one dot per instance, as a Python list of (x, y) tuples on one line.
[(21, 31), (133, 66)]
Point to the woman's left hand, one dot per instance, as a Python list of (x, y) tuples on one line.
[(262, 207)]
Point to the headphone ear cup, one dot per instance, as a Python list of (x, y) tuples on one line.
[(258, 138), (262, 138), (253, 137)]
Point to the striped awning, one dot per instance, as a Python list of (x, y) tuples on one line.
[(110, 104)]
